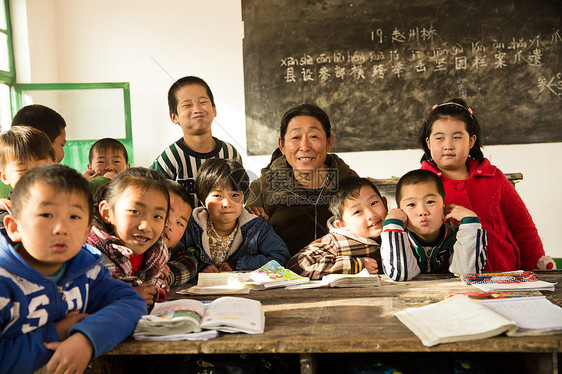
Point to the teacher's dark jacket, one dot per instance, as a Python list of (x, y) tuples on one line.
[(296, 216)]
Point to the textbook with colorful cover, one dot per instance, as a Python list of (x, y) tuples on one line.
[(519, 280), (185, 319), (461, 318), (270, 275), (273, 275)]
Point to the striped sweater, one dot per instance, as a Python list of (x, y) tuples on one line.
[(180, 163), (459, 250)]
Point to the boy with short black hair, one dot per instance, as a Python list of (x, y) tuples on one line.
[(353, 242), (47, 120), (192, 107), (428, 244), (182, 265), (21, 148), (60, 305), (108, 157)]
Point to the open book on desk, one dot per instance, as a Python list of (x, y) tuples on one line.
[(361, 279), (270, 275), (273, 275), (460, 318), (225, 283), (184, 319)]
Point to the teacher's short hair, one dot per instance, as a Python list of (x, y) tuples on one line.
[(310, 110)]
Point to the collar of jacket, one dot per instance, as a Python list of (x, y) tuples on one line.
[(346, 232)]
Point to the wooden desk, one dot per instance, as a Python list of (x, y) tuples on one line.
[(360, 320)]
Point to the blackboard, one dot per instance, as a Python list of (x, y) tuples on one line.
[(377, 67)]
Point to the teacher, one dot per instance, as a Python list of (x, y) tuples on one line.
[(295, 189)]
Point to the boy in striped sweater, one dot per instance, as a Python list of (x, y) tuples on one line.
[(416, 239), (192, 107)]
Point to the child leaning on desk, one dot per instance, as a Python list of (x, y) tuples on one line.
[(353, 243), (428, 244), (224, 235), (59, 306), (128, 225)]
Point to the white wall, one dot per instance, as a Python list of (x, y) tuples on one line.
[(151, 43)]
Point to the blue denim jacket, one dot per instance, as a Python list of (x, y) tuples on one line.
[(257, 242)]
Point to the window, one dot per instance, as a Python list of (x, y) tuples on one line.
[(7, 73), (91, 111)]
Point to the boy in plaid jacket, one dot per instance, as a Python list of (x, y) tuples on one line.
[(353, 243)]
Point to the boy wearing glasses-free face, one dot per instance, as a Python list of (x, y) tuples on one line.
[(416, 239), (60, 305), (353, 243)]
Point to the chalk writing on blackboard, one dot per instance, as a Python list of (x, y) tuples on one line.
[(378, 67), (551, 85), (477, 56)]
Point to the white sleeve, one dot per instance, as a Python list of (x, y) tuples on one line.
[(469, 252), (398, 260)]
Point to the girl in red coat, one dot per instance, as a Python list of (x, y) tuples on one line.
[(451, 142)]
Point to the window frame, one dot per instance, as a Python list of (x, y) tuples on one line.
[(84, 143), (8, 77)]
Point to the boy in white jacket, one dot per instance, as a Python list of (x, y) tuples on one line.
[(416, 239)]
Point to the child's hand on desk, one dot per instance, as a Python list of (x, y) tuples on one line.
[(258, 211), (213, 269), (397, 214), (371, 265), (71, 356), (164, 274), (210, 269), (72, 318), (148, 292), (454, 214)]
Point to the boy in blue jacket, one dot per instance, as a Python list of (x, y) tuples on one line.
[(58, 304), (223, 234)]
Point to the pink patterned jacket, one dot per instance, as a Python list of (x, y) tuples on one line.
[(116, 259)]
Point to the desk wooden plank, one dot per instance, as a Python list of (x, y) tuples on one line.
[(331, 320)]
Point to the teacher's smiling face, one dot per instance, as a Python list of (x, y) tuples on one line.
[(305, 144)]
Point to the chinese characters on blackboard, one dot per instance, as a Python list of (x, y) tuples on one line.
[(417, 52)]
